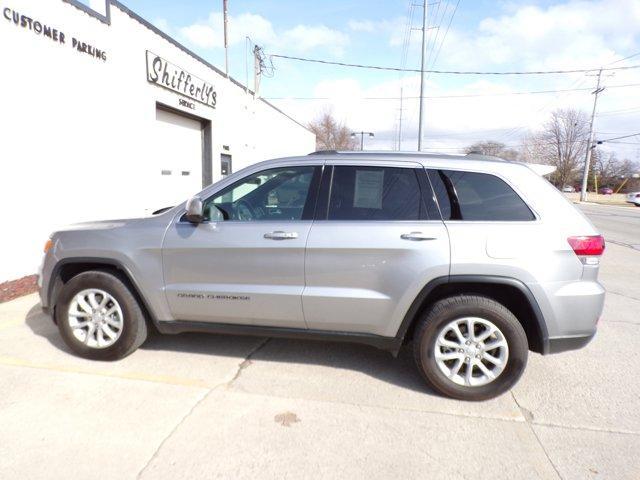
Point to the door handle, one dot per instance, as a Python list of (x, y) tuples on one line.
[(280, 235), (416, 236)]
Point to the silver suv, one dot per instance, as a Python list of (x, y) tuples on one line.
[(473, 260)]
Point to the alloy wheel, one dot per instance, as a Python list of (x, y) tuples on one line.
[(471, 351), (95, 318)]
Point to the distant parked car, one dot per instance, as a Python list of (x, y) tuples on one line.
[(568, 189), (606, 191), (633, 197)]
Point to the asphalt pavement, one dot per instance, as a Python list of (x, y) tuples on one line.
[(206, 406), (617, 223)]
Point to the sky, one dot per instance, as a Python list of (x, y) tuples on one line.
[(483, 35)]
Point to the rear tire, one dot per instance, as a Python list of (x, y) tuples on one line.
[(99, 318), (449, 357)]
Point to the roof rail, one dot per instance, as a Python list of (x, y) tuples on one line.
[(482, 156), (324, 152)]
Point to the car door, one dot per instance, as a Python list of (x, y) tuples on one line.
[(377, 240), (249, 267)]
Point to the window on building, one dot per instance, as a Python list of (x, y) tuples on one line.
[(477, 197), (374, 193), (225, 164), (274, 194)]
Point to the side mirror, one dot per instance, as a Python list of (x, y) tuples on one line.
[(195, 213)]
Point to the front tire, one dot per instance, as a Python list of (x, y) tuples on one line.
[(470, 347), (99, 318)]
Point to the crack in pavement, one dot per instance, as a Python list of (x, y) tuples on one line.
[(528, 416), (623, 295), (247, 361), (633, 246), (173, 430), (241, 366)]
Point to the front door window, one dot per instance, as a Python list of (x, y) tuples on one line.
[(275, 194)]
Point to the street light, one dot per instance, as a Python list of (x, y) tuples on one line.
[(362, 134)]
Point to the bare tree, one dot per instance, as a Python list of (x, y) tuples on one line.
[(561, 142), (490, 147), (612, 171), (331, 134)]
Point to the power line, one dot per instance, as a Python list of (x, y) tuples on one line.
[(403, 59), (620, 138), (575, 84), (435, 25), (625, 58), (455, 9), (471, 95), (613, 113), (449, 72)]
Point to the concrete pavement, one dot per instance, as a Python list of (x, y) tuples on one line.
[(237, 407)]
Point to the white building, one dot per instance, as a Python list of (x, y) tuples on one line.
[(104, 116)]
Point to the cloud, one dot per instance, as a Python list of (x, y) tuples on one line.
[(394, 28), (362, 25), (574, 34), (162, 24), (571, 34), (202, 36), (304, 38), (209, 34)]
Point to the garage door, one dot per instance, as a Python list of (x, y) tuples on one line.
[(177, 170)]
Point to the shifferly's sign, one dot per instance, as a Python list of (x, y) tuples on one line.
[(167, 75)]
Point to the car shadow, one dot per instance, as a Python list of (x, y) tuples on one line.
[(400, 371)]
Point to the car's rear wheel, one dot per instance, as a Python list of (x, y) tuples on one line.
[(99, 317), (470, 347)]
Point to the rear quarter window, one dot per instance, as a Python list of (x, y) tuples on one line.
[(476, 196)]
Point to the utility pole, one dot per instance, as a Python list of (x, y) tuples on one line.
[(256, 71), (424, 45), (225, 13), (400, 121), (247, 44), (590, 145)]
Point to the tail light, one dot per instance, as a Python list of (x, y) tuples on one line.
[(587, 247)]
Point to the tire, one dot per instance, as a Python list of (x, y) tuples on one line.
[(435, 334), (127, 314)]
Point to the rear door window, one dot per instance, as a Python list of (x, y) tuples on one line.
[(375, 193), (476, 196)]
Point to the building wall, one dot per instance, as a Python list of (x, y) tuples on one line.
[(79, 137)]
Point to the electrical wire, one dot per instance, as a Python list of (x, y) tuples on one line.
[(620, 138), (625, 58), (449, 72), (614, 114), (445, 35), (471, 95)]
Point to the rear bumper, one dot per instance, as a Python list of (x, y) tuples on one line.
[(563, 344), (571, 312)]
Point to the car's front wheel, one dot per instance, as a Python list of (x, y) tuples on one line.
[(470, 347), (99, 318)]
